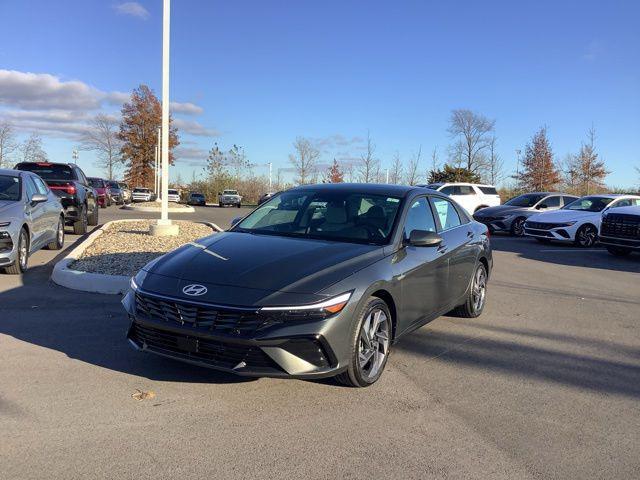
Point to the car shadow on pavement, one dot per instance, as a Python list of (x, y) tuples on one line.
[(87, 327), (565, 254), (511, 352)]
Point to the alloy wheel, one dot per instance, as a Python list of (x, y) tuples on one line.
[(373, 343), (518, 227), (479, 292), (587, 236)]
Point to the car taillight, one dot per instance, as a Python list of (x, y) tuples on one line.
[(69, 189)]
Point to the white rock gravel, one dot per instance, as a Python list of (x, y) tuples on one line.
[(125, 247)]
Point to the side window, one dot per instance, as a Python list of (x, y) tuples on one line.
[(41, 186), (626, 202), (450, 190), (419, 217), (447, 213), (552, 202), (635, 202), (81, 178), (465, 190), (31, 187), (568, 200)]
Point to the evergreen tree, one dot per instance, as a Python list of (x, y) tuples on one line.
[(539, 171)]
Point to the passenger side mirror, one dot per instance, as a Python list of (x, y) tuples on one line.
[(423, 238), (235, 220), (38, 198), (542, 206)]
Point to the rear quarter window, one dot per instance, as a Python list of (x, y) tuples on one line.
[(488, 190)]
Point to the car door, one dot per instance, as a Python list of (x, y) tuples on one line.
[(35, 213), (552, 202), (461, 245), (422, 271), (51, 209)]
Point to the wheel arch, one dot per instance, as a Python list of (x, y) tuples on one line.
[(387, 298)]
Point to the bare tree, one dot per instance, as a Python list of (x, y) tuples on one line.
[(435, 164), (32, 150), (305, 160), (472, 132), (8, 143), (495, 164), (396, 169), (369, 165), (414, 165), (102, 138)]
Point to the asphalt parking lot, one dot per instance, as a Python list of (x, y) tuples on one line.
[(546, 384)]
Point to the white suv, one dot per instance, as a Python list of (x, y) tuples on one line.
[(471, 196), (173, 195)]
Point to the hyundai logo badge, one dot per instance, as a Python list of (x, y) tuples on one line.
[(194, 290)]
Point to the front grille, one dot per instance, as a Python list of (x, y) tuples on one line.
[(208, 351), (621, 225), (543, 226), (213, 319), (483, 219), (538, 233)]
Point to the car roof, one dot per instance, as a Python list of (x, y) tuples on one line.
[(372, 188), (10, 173), (611, 195)]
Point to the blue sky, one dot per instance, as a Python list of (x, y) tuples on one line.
[(260, 73)]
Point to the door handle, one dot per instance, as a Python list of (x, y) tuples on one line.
[(442, 248)]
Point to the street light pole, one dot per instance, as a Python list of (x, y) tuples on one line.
[(157, 175), (164, 226)]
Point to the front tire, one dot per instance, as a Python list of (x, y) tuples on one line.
[(517, 227), (586, 236), (370, 345), (619, 251), (80, 227), (58, 243), (477, 296), (93, 218), (239, 205), (21, 263)]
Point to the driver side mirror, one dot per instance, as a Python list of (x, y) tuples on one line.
[(38, 198), (236, 220), (423, 238), (542, 206)]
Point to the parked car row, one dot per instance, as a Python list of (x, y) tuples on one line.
[(110, 192)]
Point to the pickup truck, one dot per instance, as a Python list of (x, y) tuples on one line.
[(229, 197), (68, 181)]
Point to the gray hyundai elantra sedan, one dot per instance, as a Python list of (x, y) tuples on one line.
[(319, 281)]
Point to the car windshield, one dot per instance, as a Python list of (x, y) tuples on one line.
[(526, 200), (339, 216), (9, 188), (114, 185), (49, 171), (197, 195), (172, 192), (230, 192), (96, 182), (141, 190), (123, 185), (589, 204)]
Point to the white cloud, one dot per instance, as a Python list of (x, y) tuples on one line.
[(186, 108), (194, 128), (133, 9)]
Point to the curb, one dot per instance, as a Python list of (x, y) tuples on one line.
[(185, 209), (95, 282)]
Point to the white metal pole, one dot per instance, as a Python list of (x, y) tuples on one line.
[(166, 12), (157, 179)]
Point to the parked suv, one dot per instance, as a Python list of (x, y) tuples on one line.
[(620, 230), (229, 197), (511, 216), (173, 195), (141, 195), (471, 196), (116, 192), (68, 181)]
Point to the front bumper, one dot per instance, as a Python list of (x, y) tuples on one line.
[(289, 349), (8, 247), (230, 201), (620, 242), (550, 231), (495, 224)]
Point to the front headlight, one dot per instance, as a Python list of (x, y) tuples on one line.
[(136, 281), (314, 310)]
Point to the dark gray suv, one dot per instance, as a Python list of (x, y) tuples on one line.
[(318, 281)]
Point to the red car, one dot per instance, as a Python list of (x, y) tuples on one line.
[(102, 191)]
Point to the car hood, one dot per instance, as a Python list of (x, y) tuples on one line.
[(559, 216), (502, 210), (261, 263)]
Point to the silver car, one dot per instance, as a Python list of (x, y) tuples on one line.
[(31, 217)]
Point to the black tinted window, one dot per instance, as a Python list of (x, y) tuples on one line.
[(465, 190), (48, 171), (9, 188), (419, 217), (552, 202), (96, 182), (489, 190)]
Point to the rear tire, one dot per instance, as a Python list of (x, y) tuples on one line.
[(93, 218), (370, 345), (58, 243), (80, 227), (619, 251), (21, 263), (476, 298)]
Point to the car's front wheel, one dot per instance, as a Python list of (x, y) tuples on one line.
[(477, 296), (517, 227), (586, 236), (370, 345), (22, 257)]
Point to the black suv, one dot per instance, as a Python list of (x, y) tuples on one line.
[(68, 182), (620, 230)]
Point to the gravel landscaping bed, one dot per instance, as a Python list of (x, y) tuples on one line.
[(125, 247)]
